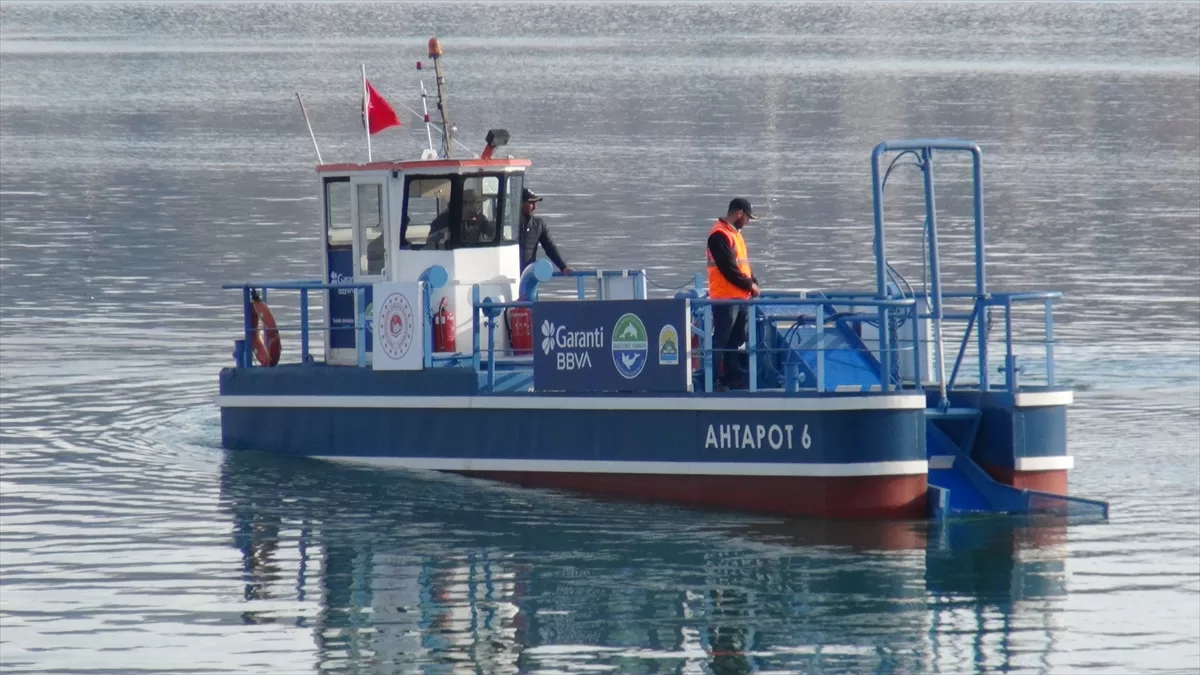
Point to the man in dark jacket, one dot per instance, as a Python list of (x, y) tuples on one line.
[(534, 231)]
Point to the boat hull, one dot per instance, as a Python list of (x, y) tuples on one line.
[(859, 455)]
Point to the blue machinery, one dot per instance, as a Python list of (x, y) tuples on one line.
[(818, 342)]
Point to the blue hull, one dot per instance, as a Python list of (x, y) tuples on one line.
[(832, 455)]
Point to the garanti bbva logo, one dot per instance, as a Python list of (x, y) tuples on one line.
[(569, 347), (629, 345)]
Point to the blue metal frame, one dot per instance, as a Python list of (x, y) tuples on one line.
[(923, 150)]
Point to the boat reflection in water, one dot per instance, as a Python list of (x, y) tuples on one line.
[(400, 572)]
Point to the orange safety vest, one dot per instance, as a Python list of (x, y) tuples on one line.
[(719, 288)]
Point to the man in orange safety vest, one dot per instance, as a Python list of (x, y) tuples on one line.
[(730, 278)]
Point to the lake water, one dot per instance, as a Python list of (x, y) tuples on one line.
[(152, 151)]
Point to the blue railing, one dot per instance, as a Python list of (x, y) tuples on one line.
[(432, 278), (600, 280), (243, 353), (486, 312), (978, 318), (705, 332)]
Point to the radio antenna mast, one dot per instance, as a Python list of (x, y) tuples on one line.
[(435, 53)]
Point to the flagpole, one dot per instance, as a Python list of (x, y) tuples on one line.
[(366, 110), (310, 131)]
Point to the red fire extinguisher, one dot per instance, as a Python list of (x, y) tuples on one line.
[(444, 334), (520, 329)]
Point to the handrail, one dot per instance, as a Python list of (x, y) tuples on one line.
[(975, 320), (360, 328), (431, 278), (638, 277), (1020, 296), (820, 300), (491, 309)]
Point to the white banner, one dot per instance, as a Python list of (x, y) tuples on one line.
[(399, 338)]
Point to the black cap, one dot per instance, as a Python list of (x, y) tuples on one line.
[(528, 195), (742, 204)]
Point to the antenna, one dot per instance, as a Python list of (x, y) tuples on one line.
[(435, 53), (310, 131), (366, 110), (425, 107)]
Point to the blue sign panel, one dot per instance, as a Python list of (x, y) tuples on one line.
[(610, 345), (341, 301)]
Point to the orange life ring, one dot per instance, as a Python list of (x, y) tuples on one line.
[(267, 347)]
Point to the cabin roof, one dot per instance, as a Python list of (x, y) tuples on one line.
[(420, 164)]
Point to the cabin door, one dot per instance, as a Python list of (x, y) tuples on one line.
[(368, 213)]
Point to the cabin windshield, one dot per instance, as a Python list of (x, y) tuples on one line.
[(449, 212)]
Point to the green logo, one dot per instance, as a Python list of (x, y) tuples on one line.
[(630, 345)]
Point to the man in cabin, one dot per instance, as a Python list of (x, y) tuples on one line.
[(476, 228), (730, 278), (534, 231)]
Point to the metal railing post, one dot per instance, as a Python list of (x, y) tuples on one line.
[(304, 358), (708, 346), (491, 376), (1010, 371), (820, 347), (426, 292), (885, 349), (1049, 342), (248, 327), (475, 311), (360, 325), (980, 263), (916, 333), (752, 345)]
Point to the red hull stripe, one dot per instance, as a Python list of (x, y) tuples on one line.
[(890, 497), (1054, 482)]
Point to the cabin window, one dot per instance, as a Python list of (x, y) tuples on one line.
[(448, 212), (426, 213), (480, 200), (370, 224), (512, 206), (337, 212)]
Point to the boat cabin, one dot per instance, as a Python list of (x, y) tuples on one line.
[(392, 220)]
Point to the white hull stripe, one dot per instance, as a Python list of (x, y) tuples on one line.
[(1035, 399), (679, 403), (901, 468), (1052, 463)]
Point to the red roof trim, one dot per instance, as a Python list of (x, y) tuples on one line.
[(427, 164)]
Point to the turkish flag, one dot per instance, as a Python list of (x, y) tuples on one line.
[(378, 114)]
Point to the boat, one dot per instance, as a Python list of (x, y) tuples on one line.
[(439, 353)]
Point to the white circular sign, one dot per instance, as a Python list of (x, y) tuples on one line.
[(396, 325)]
